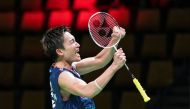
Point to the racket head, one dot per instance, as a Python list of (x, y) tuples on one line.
[(100, 26)]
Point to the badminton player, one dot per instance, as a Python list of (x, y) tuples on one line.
[(68, 90)]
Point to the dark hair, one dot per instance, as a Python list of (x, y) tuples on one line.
[(53, 39)]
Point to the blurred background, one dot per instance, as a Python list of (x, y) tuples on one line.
[(156, 44)]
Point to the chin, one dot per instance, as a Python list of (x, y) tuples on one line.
[(78, 59)]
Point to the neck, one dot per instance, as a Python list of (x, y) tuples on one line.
[(63, 64)]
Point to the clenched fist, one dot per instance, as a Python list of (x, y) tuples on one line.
[(118, 32), (119, 58)]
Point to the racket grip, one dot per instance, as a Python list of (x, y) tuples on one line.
[(141, 90)]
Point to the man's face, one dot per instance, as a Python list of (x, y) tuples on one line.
[(71, 51)]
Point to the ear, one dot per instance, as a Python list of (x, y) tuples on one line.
[(59, 52)]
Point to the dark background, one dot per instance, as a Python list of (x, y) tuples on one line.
[(156, 45)]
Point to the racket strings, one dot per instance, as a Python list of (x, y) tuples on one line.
[(101, 26)]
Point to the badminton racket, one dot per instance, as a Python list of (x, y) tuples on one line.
[(100, 27)]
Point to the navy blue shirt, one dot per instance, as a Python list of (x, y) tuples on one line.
[(74, 102)]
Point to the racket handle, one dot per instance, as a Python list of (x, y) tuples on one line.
[(141, 90)]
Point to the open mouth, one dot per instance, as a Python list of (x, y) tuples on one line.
[(77, 51)]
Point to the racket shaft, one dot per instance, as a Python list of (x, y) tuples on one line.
[(126, 65), (129, 71)]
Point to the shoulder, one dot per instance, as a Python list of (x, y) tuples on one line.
[(67, 80), (64, 77), (65, 73)]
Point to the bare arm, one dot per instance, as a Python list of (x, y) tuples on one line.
[(78, 87), (101, 59)]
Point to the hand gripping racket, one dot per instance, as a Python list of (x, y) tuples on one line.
[(100, 27)]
